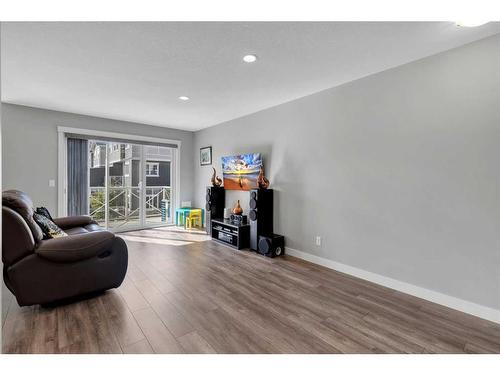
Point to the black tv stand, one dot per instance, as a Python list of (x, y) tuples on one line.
[(236, 236)]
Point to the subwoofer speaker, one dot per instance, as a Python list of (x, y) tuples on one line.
[(214, 207), (260, 215), (272, 246)]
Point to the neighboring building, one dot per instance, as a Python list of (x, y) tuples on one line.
[(124, 165)]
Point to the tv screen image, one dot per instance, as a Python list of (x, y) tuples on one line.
[(240, 172)]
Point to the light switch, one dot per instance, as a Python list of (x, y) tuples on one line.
[(52, 183)]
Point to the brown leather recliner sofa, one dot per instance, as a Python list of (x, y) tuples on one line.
[(41, 271)]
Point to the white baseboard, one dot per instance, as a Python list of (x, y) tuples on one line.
[(430, 295)]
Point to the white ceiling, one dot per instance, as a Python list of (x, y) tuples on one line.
[(136, 71)]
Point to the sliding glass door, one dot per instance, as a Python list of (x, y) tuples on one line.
[(130, 185), (96, 168), (124, 179), (157, 187)]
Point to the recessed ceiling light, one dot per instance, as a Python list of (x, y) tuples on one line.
[(249, 58), (184, 98), (471, 23)]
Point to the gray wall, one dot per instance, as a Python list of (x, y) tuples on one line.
[(399, 172), (30, 148)]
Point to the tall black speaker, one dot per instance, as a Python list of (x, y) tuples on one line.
[(260, 215), (216, 199)]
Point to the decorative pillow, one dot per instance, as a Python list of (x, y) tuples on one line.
[(43, 211), (49, 228)]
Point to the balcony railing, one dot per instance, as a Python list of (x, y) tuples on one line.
[(116, 181), (124, 204)]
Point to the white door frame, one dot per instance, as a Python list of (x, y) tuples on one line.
[(62, 201)]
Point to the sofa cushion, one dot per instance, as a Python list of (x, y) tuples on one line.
[(17, 240), (22, 204), (76, 247), (74, 221), (93, 227), (76, 230), (49, 228)]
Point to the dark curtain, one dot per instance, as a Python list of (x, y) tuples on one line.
[(77, 177)]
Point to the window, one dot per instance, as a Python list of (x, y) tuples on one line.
[(152, 169), (116, 146)]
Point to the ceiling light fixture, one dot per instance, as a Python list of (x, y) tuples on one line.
[(471, 23), (249, 58), (184, 98)]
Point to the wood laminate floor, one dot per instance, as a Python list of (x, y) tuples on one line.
[(185, 294)]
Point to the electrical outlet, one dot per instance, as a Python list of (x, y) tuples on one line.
[(318, 241), (52, 183)]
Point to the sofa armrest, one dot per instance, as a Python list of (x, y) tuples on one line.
[(76, 247), (74, 221)]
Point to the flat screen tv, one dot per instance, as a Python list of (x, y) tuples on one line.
[(240, 172)]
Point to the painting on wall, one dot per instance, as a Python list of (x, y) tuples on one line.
[(206, 156), (241, 172)]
